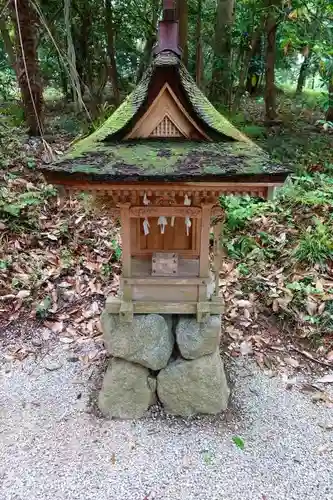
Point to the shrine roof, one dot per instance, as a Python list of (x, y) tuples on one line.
[(149, 160), (104, 156), (133, 102)]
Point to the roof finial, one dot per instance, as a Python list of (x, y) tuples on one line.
[(169, 10), (168, 30)]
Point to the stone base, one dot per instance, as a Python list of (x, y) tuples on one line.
[(127, 390), (172, 357), (187, 388)]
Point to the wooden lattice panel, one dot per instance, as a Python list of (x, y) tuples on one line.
[(167, 117), (166, 128)]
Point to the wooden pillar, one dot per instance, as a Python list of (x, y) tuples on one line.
[(217, 255), (203, 308), (204, 241), (126, 309)]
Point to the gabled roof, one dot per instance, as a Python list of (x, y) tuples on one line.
[(166, 107), (106, 155), (131, 105)]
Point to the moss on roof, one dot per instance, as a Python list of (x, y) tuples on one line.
[(127, 110), (118, 120), (165, 160), (101, 157)]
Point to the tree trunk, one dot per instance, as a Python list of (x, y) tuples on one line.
[(7, 43), (63, 77), (329, 112), (245, 68), (221, 88), (199, 55), (303, 74), (83, 46), (111, 50), (182, 16), (27, 67), (146, 56), (270, 91), (150, 40), (74, 76)]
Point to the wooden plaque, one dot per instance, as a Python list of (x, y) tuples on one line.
[(165, 264)]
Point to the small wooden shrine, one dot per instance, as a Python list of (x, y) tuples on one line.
[(163, 159)]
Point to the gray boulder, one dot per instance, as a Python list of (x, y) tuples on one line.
[(198, 339), (148, 340), (190, 387), (127, 391)]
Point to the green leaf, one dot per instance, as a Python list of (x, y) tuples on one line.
[(238, 442), (43, 307)]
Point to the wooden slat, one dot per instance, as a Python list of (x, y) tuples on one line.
[(165, 293), (113, 305), (162, 281)]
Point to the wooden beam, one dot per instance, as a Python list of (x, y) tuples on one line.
[(113, 305), (258, 188), (169, 211), (163, 281)]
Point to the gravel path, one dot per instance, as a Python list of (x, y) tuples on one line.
[(52, 448)]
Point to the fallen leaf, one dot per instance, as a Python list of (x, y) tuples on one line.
[(23, 294), (309, 388), (52, 237), (292, 362), (234, 333), (311, 306), (66, 340), (245, 348), (244, 303), (56, 327), (45, 334), (327, 379), (321, 396), (324, 448), (329, 356), (113, 458), (321, 308), (326, 427)]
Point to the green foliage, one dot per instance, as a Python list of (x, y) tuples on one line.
[(239, 442), (10, 143), (116, 250), (241, 246), (67, 123), (43, 308), (15, 206), (254, 131), (283, 250), (239, 210), (315, 246), (13, 113), (7, 82), (103, 113)]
